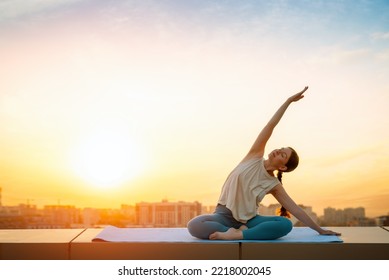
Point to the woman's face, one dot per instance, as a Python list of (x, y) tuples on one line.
[(280, 157)]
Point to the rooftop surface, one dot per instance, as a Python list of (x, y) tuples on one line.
[(359, 243)]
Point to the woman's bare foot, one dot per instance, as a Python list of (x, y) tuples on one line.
[(230, 234)]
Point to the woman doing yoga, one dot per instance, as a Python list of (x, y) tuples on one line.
[(235, 216)]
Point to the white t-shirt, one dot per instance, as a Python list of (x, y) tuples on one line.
[(245, 187)]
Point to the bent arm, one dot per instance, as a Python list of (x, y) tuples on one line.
[(282, 197), (258, 147)]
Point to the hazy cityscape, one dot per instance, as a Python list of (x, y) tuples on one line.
[(155, 214)]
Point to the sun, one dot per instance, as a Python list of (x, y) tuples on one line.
[(107, 158)]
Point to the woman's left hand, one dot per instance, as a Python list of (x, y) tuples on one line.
[(329, 232), (298, 96)]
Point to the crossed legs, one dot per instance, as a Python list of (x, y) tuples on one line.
[(217, 226)]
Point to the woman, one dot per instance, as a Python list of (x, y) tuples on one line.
[(236, 215)]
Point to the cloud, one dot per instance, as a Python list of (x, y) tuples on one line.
[(351, 55), (13, 9), (348, 156), (336, 55), (383, 55), (380, 36)]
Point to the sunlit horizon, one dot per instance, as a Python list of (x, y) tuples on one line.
[(64, 203), (103, 104)]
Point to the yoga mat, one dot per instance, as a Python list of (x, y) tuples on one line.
[(303, 235), (181, 235)]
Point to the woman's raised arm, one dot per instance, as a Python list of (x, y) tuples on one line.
[(258, 147)]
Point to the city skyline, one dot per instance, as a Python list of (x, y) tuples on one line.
[(158, 214), (28, 202), (107, 102)]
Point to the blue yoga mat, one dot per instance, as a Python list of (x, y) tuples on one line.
[(181, 235)]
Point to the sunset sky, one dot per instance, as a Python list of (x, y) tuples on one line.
[(104, 103)]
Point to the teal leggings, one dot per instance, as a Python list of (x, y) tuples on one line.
[(259, 227)]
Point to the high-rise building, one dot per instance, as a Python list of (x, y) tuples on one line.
[(345, 217), (90, 217), (273, 210), (270, 210), (166, 214), (62, 216)]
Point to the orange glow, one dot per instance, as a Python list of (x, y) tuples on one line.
[(107, 158), (110, 103)]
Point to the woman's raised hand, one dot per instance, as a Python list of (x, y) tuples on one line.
[(298, 95)]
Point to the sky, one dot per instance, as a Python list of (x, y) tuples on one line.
[(104, 103)]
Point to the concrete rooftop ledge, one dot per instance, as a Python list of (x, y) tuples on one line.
[(38, 244), (359, 243)]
